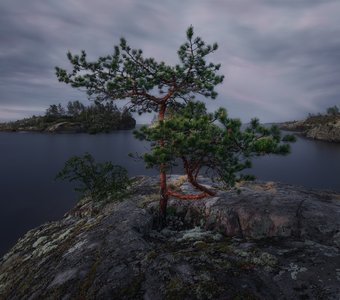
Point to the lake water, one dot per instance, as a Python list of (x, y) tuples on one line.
[(29, 195)]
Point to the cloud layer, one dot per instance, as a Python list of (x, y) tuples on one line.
[(281, 58)]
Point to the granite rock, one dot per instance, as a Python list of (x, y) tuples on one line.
[(271, 241)]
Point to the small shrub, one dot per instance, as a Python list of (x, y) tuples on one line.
[(289, 138), (334, 110), (98, 180)]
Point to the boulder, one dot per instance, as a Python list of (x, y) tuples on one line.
[(267, 209)]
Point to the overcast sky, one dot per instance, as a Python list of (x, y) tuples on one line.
[(281, 58)]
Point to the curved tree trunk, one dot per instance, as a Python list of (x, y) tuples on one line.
[(200, 187), (205, 192), (187, 196)]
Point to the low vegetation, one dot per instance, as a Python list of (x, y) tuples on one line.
[(97, 180)]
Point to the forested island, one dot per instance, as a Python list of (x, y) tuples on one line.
[(325, 127), (75, 118)]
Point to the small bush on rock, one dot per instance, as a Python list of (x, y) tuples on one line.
[(97, 180)]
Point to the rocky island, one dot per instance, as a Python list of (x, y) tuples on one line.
[(271, 241), (76, 118), (320, 127)]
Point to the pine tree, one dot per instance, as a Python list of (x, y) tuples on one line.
[(210, 143), (55, 111), (148, 84)]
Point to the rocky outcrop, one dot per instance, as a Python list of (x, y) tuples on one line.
[(324, 128), (328, 132), (271, 241), (265, 210)]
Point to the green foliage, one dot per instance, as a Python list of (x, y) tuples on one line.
[(184, 132), (127, 74), (210, 143), (98, 180), (289, 138)]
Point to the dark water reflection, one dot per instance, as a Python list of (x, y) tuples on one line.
[(29, 196), (313, 164)]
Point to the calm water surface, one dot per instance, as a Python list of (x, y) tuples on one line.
[(29, 195)]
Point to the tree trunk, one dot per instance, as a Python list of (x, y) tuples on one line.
[(187, 196), (200, 187), (205, 192), (164, 198), (164, 193), (193, 181)]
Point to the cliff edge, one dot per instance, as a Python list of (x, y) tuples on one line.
[(271, 241)]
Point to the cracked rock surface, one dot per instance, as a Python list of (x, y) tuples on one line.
[(271, 241)]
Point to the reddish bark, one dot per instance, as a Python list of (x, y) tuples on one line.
[(164, 193), (199, 186), (193, 181), (187, 196)]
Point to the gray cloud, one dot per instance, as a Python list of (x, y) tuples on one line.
[(281, 58)]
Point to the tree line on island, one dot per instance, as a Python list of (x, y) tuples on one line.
[(332, 113), (76, 117)]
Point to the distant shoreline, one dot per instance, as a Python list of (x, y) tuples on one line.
[(319, 127), (60, 128)]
